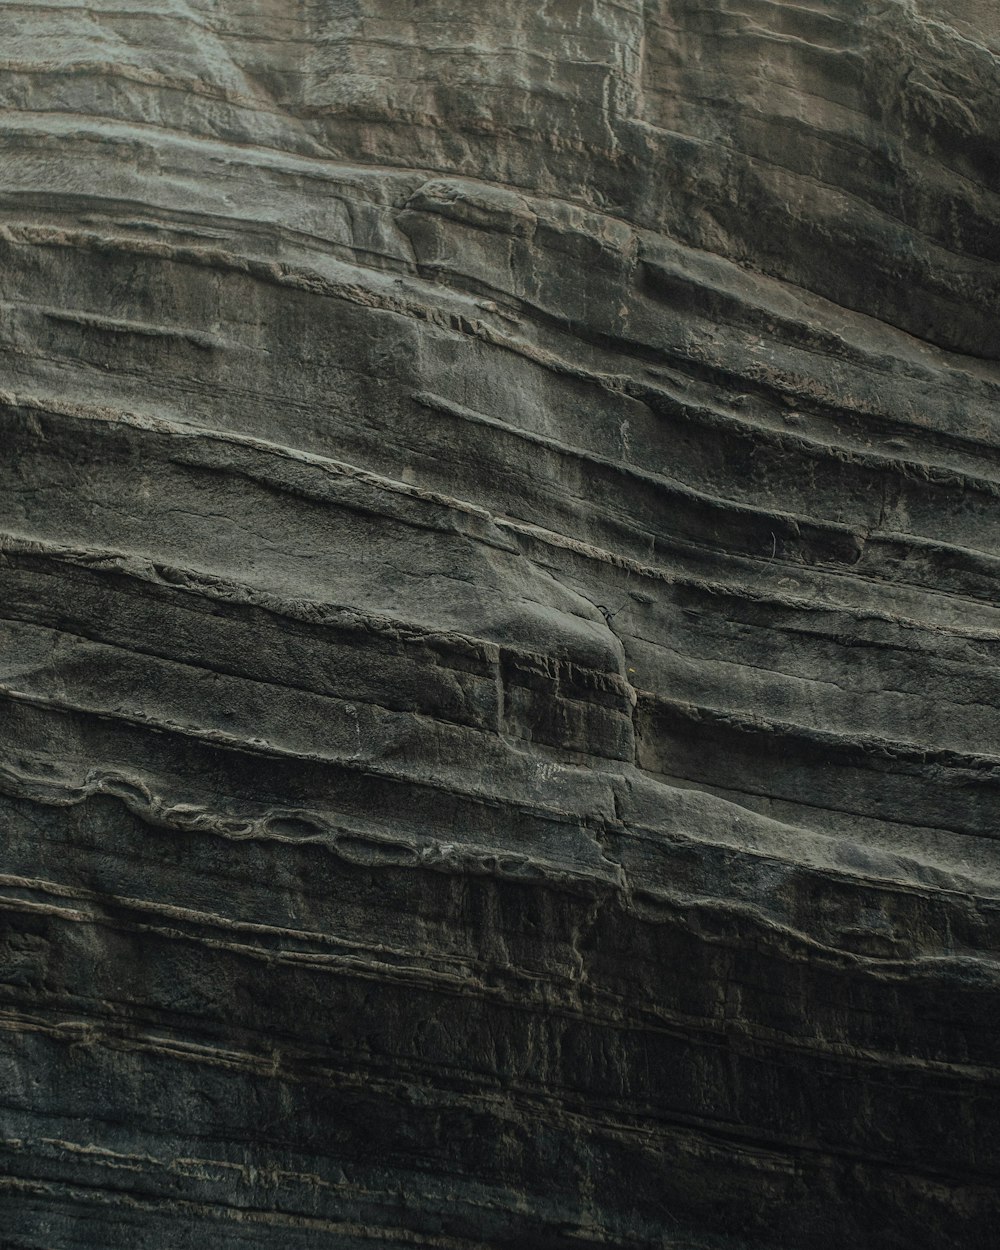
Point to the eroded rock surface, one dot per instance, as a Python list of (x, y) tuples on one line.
[(500, 630)]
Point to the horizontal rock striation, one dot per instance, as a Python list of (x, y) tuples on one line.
[(500, 636)]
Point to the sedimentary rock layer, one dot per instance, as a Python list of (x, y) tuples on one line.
[(498, 600)]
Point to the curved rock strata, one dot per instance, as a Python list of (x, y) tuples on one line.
[(498, 598)]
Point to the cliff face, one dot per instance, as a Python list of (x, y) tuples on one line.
[(499, 627)]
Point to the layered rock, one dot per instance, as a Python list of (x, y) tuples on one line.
[(498, 593)]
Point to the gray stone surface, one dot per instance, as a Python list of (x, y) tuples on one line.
[(499, 617)]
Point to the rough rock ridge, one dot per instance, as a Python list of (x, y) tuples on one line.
[(500, 634)]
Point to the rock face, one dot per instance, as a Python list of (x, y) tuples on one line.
[(500, 629)]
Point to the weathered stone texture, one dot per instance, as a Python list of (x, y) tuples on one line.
[(499, 628)]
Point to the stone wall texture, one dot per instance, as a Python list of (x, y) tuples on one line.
[(499, 624)]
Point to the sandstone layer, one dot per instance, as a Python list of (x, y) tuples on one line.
[(500, 633)]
